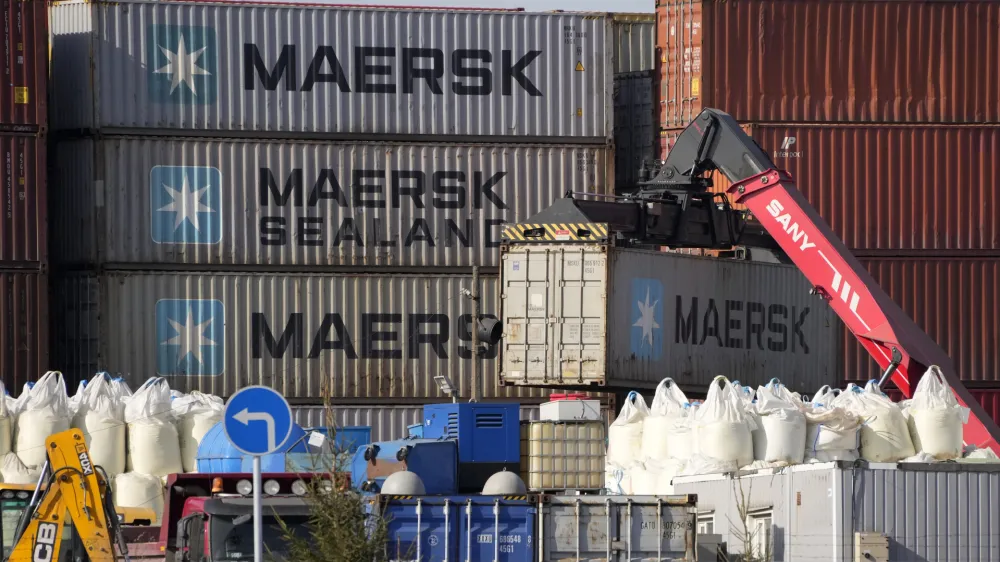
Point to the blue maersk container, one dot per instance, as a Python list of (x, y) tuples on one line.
[(488, 435), (460, 528), (435, 461)]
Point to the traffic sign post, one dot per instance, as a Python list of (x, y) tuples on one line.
[(257, 421)]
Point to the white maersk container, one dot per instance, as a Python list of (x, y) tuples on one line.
[(314, 70), (121, 200), (583, 314)]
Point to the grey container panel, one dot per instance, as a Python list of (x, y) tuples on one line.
[(703, 317), (305, 203), (634, 126), (635, 43), (486, 73), (629, 527), (348, 336)]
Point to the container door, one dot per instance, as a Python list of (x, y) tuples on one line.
[(553, 309), (578, 314), (498, 531), (423, 532)]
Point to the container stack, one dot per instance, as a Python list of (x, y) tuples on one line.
[(894, 142), (295, 196), (24, 314)]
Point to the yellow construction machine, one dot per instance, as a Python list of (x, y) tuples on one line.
[(34, 522)]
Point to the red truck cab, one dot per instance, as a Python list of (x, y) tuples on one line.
[(209, 517)]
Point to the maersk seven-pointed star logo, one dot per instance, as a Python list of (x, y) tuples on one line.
[(185, 204), (190, 337), (647, 319), (182, 64)]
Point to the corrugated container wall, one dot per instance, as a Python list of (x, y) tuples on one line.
[(928, 512), (295, 69), (24, 92), (635, 128), (306, 335), (24, 225), (24, 328), (887, 188), (823, 61), (953, 300), (623, 319), (129, 200), (635, 41), (389, 421)]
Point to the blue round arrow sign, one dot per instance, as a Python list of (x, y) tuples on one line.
[(257, 420)]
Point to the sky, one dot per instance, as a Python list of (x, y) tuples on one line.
[(529, 5)]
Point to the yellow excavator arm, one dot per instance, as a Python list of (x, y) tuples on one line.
[(75, 489)]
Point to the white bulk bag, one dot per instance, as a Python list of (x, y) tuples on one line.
[(153, 444), (132, 489), (723, 426), (659, 428), (100, 414), (885, 434), (625, 433), (700, 464), (13, 471), (42, 411), (618, 479), (74, 401), (936, 418), (655, 478), (120, 388), (782, 435), (196, 413), (6, 425)]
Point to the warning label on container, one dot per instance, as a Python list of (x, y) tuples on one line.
[(579, 66)]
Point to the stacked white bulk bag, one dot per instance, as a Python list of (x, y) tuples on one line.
[(655, 478), (100, 414), (885, 434), (831, 432), (153, 443), (625, 433), (936, 418), (781, 435), (618, 480), (42, 410), (665, 433), (723, 428), (196, 414), (120, 389), (13, 471), (6, 422), (132, 489)]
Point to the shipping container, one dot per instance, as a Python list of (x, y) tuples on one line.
[(919, 512), (427, 528), (24, 93), (285, 69), (635, 41), (822, 61), (892, 187), (389, 421), (24, 224), (634, 127), (617, 528), (24, 328), (356, 336), (952, 300), (578, 314), (251, 202)]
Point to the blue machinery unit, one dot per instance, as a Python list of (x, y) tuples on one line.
[(488, 436), (435, 461)]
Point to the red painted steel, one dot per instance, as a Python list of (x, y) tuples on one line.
[(880, 325), (953, 300), (830, 61), (24, 88), (23, 223), (909, 187), (24, 328)]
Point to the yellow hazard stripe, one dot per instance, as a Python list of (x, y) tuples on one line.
[(555, 232)]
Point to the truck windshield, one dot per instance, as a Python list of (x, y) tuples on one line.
[(232, 537), (10, 514)]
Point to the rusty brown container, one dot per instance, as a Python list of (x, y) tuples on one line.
[(24, 88), (953, 300), (906, 187), (823, 61), (24, 327), (23, 225)]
